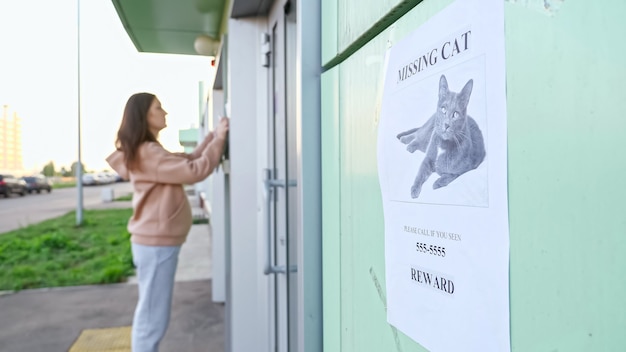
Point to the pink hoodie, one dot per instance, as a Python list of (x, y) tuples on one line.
[(161, 211)]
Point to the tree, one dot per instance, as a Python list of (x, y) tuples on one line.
[(75, 165), (65, 172), (48, 170)]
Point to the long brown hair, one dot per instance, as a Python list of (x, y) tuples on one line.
[(134, 128)]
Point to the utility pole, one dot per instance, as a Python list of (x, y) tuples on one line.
[(79, 167)]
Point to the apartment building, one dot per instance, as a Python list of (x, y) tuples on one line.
[(10, 141)]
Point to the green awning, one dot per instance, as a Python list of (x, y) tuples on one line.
[(170, 26)]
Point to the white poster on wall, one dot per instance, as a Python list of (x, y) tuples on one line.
[(442, 165)]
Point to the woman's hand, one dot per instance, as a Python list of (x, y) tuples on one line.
[(222, 128)]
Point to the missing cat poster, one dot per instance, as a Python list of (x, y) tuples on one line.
[(442, 166)]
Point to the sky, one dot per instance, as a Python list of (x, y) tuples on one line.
[(39, 80)]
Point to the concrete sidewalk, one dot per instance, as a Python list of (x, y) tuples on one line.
[(50, 320)]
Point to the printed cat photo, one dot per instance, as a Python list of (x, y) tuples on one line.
[(451, 139)]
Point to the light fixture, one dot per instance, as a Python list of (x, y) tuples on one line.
[(205, 45)]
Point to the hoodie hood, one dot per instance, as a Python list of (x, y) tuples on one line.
[(116, 161)]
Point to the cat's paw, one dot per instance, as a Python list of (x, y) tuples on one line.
[(406, 139), (444, 180), (415, 191)]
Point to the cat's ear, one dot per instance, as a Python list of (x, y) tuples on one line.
[(443, 87), (464, 95)]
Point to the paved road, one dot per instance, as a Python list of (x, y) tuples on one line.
[(17, 211)]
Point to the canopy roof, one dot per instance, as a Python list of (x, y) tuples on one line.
[(171, 26)]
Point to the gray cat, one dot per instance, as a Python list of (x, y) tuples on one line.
[(451, 139)]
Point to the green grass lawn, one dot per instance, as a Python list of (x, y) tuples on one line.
[(124, 198), (58, 253), (63, 185)]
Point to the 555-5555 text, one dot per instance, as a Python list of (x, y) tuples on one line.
[(430, 249)]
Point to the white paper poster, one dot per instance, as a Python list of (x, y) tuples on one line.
[(442, 165)]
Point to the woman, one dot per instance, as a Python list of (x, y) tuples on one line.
[(161, 212)]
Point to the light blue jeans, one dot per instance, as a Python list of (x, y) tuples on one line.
[(156, 268)]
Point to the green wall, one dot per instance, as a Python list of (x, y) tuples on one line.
[(351, 18), (565, 67)]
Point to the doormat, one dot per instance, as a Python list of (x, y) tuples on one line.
[(103, 340)]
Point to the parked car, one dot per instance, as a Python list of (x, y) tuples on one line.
[(92, 179), (10, 185), (106, 177), (37, 184), (89, 179)]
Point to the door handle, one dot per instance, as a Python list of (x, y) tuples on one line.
[(271, 184), (274, 183)]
